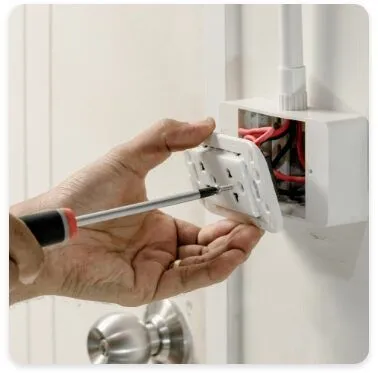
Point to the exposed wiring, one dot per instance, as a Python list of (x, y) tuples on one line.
[(261, 135), (284, 150), (250, 138), (294, 192), (251, 133), (257, 135), (299, 144), (281, 130), (288, 178), (268, 160), (265, 136)]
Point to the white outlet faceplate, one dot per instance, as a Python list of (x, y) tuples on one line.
[(224, 160)]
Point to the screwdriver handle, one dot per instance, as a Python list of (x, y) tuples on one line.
[(51, 227)]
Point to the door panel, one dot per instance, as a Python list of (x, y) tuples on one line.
[(116, 70), (108, 73)]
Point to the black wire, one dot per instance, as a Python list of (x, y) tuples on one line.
[(269, 163), (293, 192), (286, 147)]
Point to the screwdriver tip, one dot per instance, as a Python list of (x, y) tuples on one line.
[(224, 188)]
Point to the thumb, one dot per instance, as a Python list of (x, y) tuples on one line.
[(156, 144)]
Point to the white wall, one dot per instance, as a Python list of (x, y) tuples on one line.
[(306, 290)]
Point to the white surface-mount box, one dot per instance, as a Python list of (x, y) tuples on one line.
[(336, 155)]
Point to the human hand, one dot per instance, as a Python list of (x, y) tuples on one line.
[(25, 254), (130, 261)]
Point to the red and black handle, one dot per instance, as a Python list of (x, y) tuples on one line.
[(52, 227)]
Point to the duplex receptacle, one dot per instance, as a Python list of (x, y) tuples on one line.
[(225, 160)]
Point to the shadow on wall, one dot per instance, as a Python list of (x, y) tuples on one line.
[(341, 254), (333, 251)]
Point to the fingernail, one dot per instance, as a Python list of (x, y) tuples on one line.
[(206, 121), (28, 280), (176, 263)]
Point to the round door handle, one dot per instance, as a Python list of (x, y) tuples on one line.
[(163, 337)]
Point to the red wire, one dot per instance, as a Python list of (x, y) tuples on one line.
[(264, 130), (282, 129), (299, 142), (249, 131), (250, 138), (265, 134), (294, 179), (257, 135)]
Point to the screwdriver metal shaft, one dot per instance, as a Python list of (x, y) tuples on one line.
[(138, 208), (54, 226)]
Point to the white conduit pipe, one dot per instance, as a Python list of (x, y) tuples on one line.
[(292, 72)]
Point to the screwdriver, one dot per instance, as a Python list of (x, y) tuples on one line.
[(54, 226)]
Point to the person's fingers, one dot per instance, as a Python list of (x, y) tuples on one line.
[(193, 241), (242, 236), (155, 145), (182, 279), (210, 240), (13, 274), (211, 232), (24, 250), (188, 251), (212, 267), (187, 233)]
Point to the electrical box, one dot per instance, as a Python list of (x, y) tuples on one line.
[(336, 159)]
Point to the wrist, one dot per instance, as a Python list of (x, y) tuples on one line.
[(47, 282)]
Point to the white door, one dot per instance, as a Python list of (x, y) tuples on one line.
[(88, 78)]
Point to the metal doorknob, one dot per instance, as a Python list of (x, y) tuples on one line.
[(121, 338)]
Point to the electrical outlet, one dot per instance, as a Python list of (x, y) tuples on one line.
[(224, 160)]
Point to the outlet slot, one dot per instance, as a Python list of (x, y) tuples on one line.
[(241, 187), (229, 174), (285, 157), (236, 196)]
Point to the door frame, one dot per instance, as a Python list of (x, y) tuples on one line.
[(222, 54), (30, 88)]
